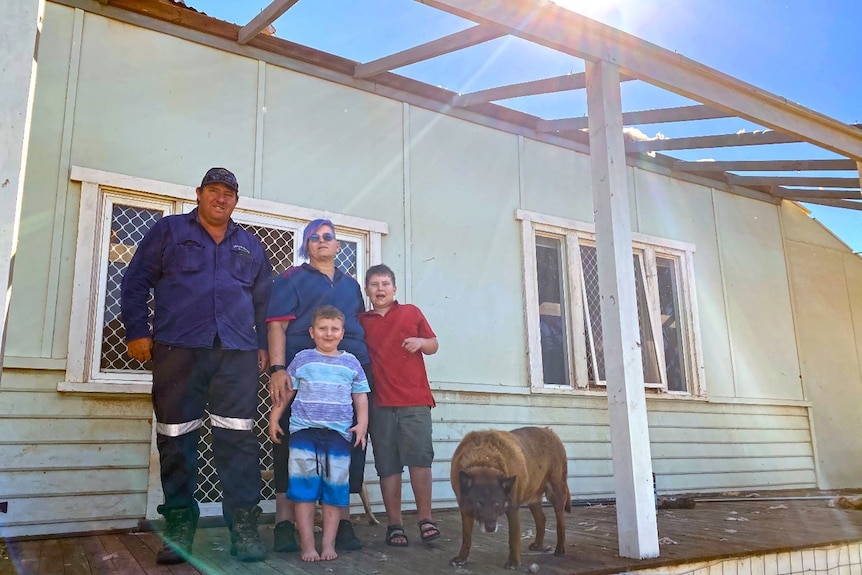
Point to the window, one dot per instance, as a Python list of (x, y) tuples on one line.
[(116, 211), (564, 316)]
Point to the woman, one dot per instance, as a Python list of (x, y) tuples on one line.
[(295, 295)]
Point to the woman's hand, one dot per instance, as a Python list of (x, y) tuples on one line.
[(279, 385)]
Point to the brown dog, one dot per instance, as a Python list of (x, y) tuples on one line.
[(494, 472)]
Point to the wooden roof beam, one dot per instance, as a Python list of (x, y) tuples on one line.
[(659, 116), (721, 141), (549, 25), (764, 165), (564, 83), (849, 204), (451, 43), (266, 17), (797, 181), (806, 194)]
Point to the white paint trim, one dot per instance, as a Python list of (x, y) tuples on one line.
[(535, 368), (577, 310), (265, 207), (590, 230), (80, 321)]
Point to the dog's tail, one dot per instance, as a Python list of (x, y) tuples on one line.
[(568, 506)]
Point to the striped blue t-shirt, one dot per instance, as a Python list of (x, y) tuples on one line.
[(324, 386)]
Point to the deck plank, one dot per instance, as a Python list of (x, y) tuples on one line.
[(710, 532), (75, 560), (123, 561), (51, 558), (97, 556)]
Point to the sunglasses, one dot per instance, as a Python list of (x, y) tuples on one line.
[(324, 237)]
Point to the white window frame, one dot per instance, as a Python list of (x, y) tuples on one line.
[(99, 191), (572, 234)]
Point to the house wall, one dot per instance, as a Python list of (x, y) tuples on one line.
[(122, 99), (826, 279)]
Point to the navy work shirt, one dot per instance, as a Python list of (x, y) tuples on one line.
[(201, 288), (300, 290)]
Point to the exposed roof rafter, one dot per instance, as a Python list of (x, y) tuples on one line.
[(552, 26), (721, 141), (451, 43), (266, 17), (764, 165), (849, 204), (793, 181), (806, 194), (659, 116), (564, 83)]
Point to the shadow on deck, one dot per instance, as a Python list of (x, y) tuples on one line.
[(708, 533)]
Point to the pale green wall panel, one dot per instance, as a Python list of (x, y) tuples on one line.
[(682, 211), (333, 148), (557, 181), (799, 226), (765, 360), (33, 260), (467, 269), (830, 364), (168, 116)]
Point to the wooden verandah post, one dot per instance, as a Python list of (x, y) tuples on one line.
[(20, 27), (632, 466)]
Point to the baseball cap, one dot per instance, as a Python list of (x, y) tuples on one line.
[(220, 176)]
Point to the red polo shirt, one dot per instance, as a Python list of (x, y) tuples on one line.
[(400, 379)]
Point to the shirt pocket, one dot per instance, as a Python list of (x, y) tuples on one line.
[(243, 266), (190, 256)]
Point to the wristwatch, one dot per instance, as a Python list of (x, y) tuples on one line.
[(277, 367)]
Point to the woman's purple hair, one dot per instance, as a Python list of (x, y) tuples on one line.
[(312, 228)]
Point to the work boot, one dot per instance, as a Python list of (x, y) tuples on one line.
[(245, 541), (180, 526), (285, 538), (345, 538)]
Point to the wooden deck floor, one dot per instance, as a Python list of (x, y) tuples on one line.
[(711, 531)]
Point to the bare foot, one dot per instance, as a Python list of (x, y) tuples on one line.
[(328, 553), (310, 555)]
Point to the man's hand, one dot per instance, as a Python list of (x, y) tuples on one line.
[(141, 349), (279, 384), (262, 361)]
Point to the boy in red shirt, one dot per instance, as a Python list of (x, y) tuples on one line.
[(397, 336)]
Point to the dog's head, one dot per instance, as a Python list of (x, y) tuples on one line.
[(485, 496)]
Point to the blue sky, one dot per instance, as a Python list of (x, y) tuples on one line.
[(805, 51)]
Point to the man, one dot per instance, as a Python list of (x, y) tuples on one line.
[(211, 282)]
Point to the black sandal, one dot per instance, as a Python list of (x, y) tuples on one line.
[(430, 531), (394, 532)]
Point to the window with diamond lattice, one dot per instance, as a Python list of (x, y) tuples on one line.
[(566, 293), (129, 224)]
